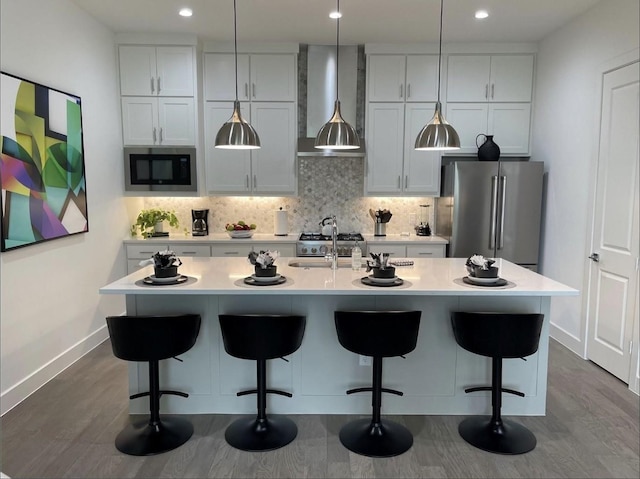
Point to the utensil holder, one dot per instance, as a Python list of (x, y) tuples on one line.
[(380, 229)]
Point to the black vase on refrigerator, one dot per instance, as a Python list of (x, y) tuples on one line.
[(492, 209)]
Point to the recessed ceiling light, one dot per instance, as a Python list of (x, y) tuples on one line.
[(185, 12), (482, 14), (335, 15)]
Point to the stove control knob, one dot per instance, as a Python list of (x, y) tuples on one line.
[(323, 249), (314, 250), (304, 250)]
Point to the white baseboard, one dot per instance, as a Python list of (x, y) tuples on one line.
[(567, 340), (30, 384)]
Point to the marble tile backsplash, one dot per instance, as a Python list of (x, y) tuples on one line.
[(326, 186)]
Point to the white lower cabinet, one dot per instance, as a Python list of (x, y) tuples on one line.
[(243, 249), (426, 251), (408, 250)]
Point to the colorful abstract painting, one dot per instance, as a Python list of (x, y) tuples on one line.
[(42, 168)]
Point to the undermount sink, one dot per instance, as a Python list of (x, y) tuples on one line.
[(318, 263)]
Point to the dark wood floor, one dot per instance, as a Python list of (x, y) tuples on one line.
[(67, 429)]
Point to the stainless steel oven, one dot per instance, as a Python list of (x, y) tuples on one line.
[(316, 244)]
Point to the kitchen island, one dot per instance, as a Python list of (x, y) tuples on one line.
[(433, 377)]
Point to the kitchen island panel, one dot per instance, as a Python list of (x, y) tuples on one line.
[(433, 376)]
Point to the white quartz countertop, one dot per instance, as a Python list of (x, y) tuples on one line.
[(400, 239), (428, 276), (290, 238), (214, 238)]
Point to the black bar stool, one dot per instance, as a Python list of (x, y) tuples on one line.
[(380, 334), (151, 339), (259, 337), (498, 336)]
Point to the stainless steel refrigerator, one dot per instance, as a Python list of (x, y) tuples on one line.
[(491, 208)]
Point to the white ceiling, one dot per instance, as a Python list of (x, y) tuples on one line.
[(364, 21)]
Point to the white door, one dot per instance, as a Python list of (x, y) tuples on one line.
[(137, 70), (175, 71), (227, 171), (469, 119), (273, 77), (614, 278), (422, 78), (140, 121), (176, 118), (386, 77), (385, 144), (220, 77), (274, 164), (421, 168)]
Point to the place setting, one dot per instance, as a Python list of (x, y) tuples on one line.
[(382, 273), (482, 273), (265, 271), (165, 268)]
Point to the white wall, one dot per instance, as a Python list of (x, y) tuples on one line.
[(51, 312), (565, 134)]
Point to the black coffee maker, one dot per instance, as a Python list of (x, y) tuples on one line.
[(200, 224)]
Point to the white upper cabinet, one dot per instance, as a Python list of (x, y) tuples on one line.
[(156, 71), (489, 78), (411, 78), (393, 165), (491, 95), (269, 170), (261, 77), (401, 95), (267, 91), (158, 121), (220, 77), (508, 122)]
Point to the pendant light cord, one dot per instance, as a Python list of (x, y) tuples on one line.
[(337, 48), (235, 44), (439, 50)]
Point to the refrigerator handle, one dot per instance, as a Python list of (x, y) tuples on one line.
[(494, 212), (503, 199)]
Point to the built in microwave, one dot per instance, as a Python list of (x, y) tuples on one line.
[(160, 169)]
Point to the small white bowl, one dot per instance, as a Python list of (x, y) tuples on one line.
[(241, 233)]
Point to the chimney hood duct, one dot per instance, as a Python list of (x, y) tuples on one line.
[(321, 96)]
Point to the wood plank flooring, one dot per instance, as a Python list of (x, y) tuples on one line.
[(67, 429)]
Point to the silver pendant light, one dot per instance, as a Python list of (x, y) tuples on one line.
[(438, 134), (237, 133), (337, 134)]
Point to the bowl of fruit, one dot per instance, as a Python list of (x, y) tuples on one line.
[(240, 229)]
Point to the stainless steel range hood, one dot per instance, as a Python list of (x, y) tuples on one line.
[(321, 95)]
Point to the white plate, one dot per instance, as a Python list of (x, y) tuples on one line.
[(241, 234), (170, 279), (473, 279), (265, 279), (382, 280)]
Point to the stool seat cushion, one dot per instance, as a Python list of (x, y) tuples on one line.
[(378, 333), (503, 335), (260, 336), (152, 338)]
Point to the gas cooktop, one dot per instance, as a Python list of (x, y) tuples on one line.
[(321, 237)]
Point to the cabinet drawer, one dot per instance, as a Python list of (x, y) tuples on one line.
[(426, 251), (144, 251), (231, 250), (287, 250), (191, 250), (395, 250)]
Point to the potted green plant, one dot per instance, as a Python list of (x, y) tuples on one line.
[(149, 222)]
